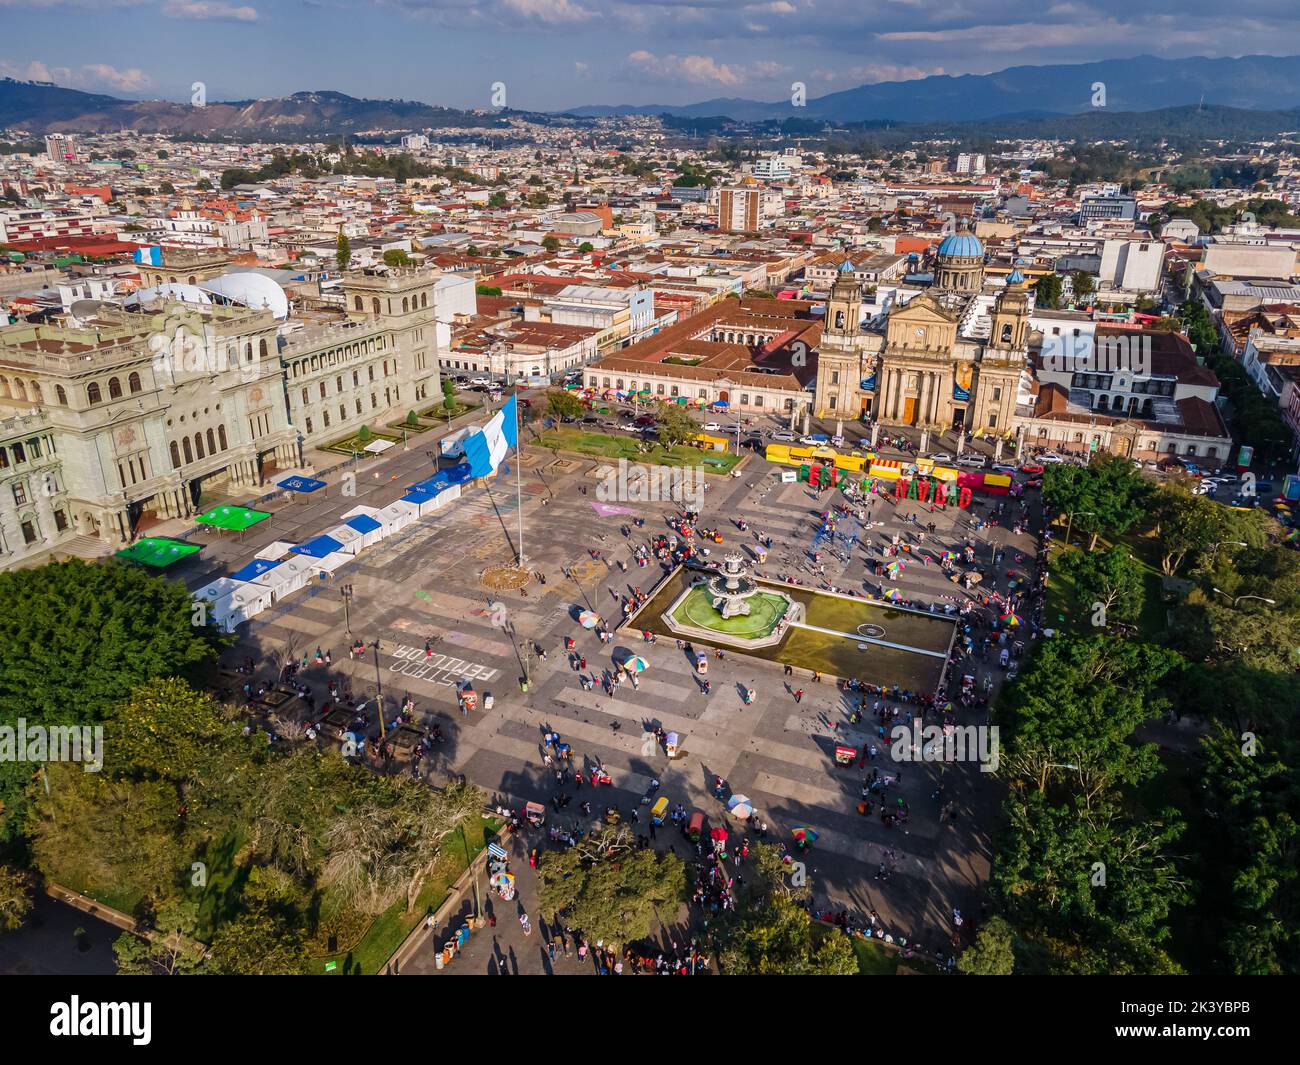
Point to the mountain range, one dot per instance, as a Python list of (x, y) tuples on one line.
[(1197, 95), (1143, 83), (45, 108)]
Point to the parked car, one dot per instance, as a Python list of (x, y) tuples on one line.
[(1002, 467), (978, 462), (589, 419), (815, 440), (479, 381), (712, 427), (733, 428), (942, 458), (784, 436), (1032, 468), (645, 420), (1050, 458)]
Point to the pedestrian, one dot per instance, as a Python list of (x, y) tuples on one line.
[(798, 695)]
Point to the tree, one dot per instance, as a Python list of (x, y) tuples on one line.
[(365, 435), (172, 951), (551, 243), (15, 897), (265, 939), (1048, 290), (342, 250), (586, 246), (674, 424), (1082, 284), (1106, 497), (1111, 579), (167, 188), (386, 845), (497, 199), (564, 404), (86, 636), (448, 395), (412, 419), (992, 953), (396, 257), (610, 889), (203, 185), (770, 932)]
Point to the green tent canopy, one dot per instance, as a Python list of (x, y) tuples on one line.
[(158, 552), (232, 519)]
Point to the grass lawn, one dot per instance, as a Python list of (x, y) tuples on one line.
[(626, 446), (387, 932), (438, 413), (765, 610), (353, 444), (873, 958)]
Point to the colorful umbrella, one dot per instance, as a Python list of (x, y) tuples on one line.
[(894, 569), (588, 619), (636, 664), (945, 556), (804, 834), (1011, 619), (893, 595), (740, 806)]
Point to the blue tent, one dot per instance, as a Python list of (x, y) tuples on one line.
[(254, 569), (363, 523), (318, 547), (301, 484)]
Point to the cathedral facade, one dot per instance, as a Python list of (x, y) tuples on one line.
[(918, 370)]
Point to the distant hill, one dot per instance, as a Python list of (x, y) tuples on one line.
[(44, 108), (1144, 83)]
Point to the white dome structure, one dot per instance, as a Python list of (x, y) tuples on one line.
[(249, 289), (170, 291)]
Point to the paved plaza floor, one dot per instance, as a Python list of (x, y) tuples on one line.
[(425, 585)]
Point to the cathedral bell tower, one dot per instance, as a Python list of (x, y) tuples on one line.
[(843, 308), (1003, 359), (839, 360)]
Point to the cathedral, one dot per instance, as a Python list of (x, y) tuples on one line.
[(920, 363)]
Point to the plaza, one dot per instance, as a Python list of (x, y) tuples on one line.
[(431, 622)]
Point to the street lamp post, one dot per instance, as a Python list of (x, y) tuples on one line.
[(1237, 599), (346, 593), (379, 694)]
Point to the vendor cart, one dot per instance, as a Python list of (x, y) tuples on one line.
[(695, 827), (701, 663), (845, 755), (535, 812), (659, 811), (671, 742)]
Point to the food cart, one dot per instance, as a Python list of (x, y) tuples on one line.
[(845, 755), (695, 827), (468, 699), (701, 663), (719, 838), (671, 743), (535, 812), (612, 816), (659, 811)]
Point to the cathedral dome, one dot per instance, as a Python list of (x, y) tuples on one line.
[(961, 246)]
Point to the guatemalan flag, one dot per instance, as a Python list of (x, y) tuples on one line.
[(485, 449)]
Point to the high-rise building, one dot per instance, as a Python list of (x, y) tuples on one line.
[(739, 208), (968, 163), (61, 148)]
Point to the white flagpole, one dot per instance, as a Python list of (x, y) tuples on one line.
[(519, 477)]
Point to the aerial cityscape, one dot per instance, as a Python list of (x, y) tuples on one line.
[(574, 487)]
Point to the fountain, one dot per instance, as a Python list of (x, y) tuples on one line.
[(732, 607), (732, 588)]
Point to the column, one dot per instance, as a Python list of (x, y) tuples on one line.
[(886, 394)]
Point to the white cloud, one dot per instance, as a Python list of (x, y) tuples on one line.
[(89, 76), (701, 69), (209, 11)]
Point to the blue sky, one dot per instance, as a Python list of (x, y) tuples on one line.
[(553, 54)]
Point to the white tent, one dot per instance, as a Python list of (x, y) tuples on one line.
[(348, 537), (218, 589), (431, 503), (333, 560), (370, 512), (274, 551), (397, 516), (290, 575), (246, 601)]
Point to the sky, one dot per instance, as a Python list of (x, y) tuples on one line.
[(556, 54)]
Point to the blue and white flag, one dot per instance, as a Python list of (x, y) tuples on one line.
[(485, 449), (151, 256)]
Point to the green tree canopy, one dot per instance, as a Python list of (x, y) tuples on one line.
[(611, 889)]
